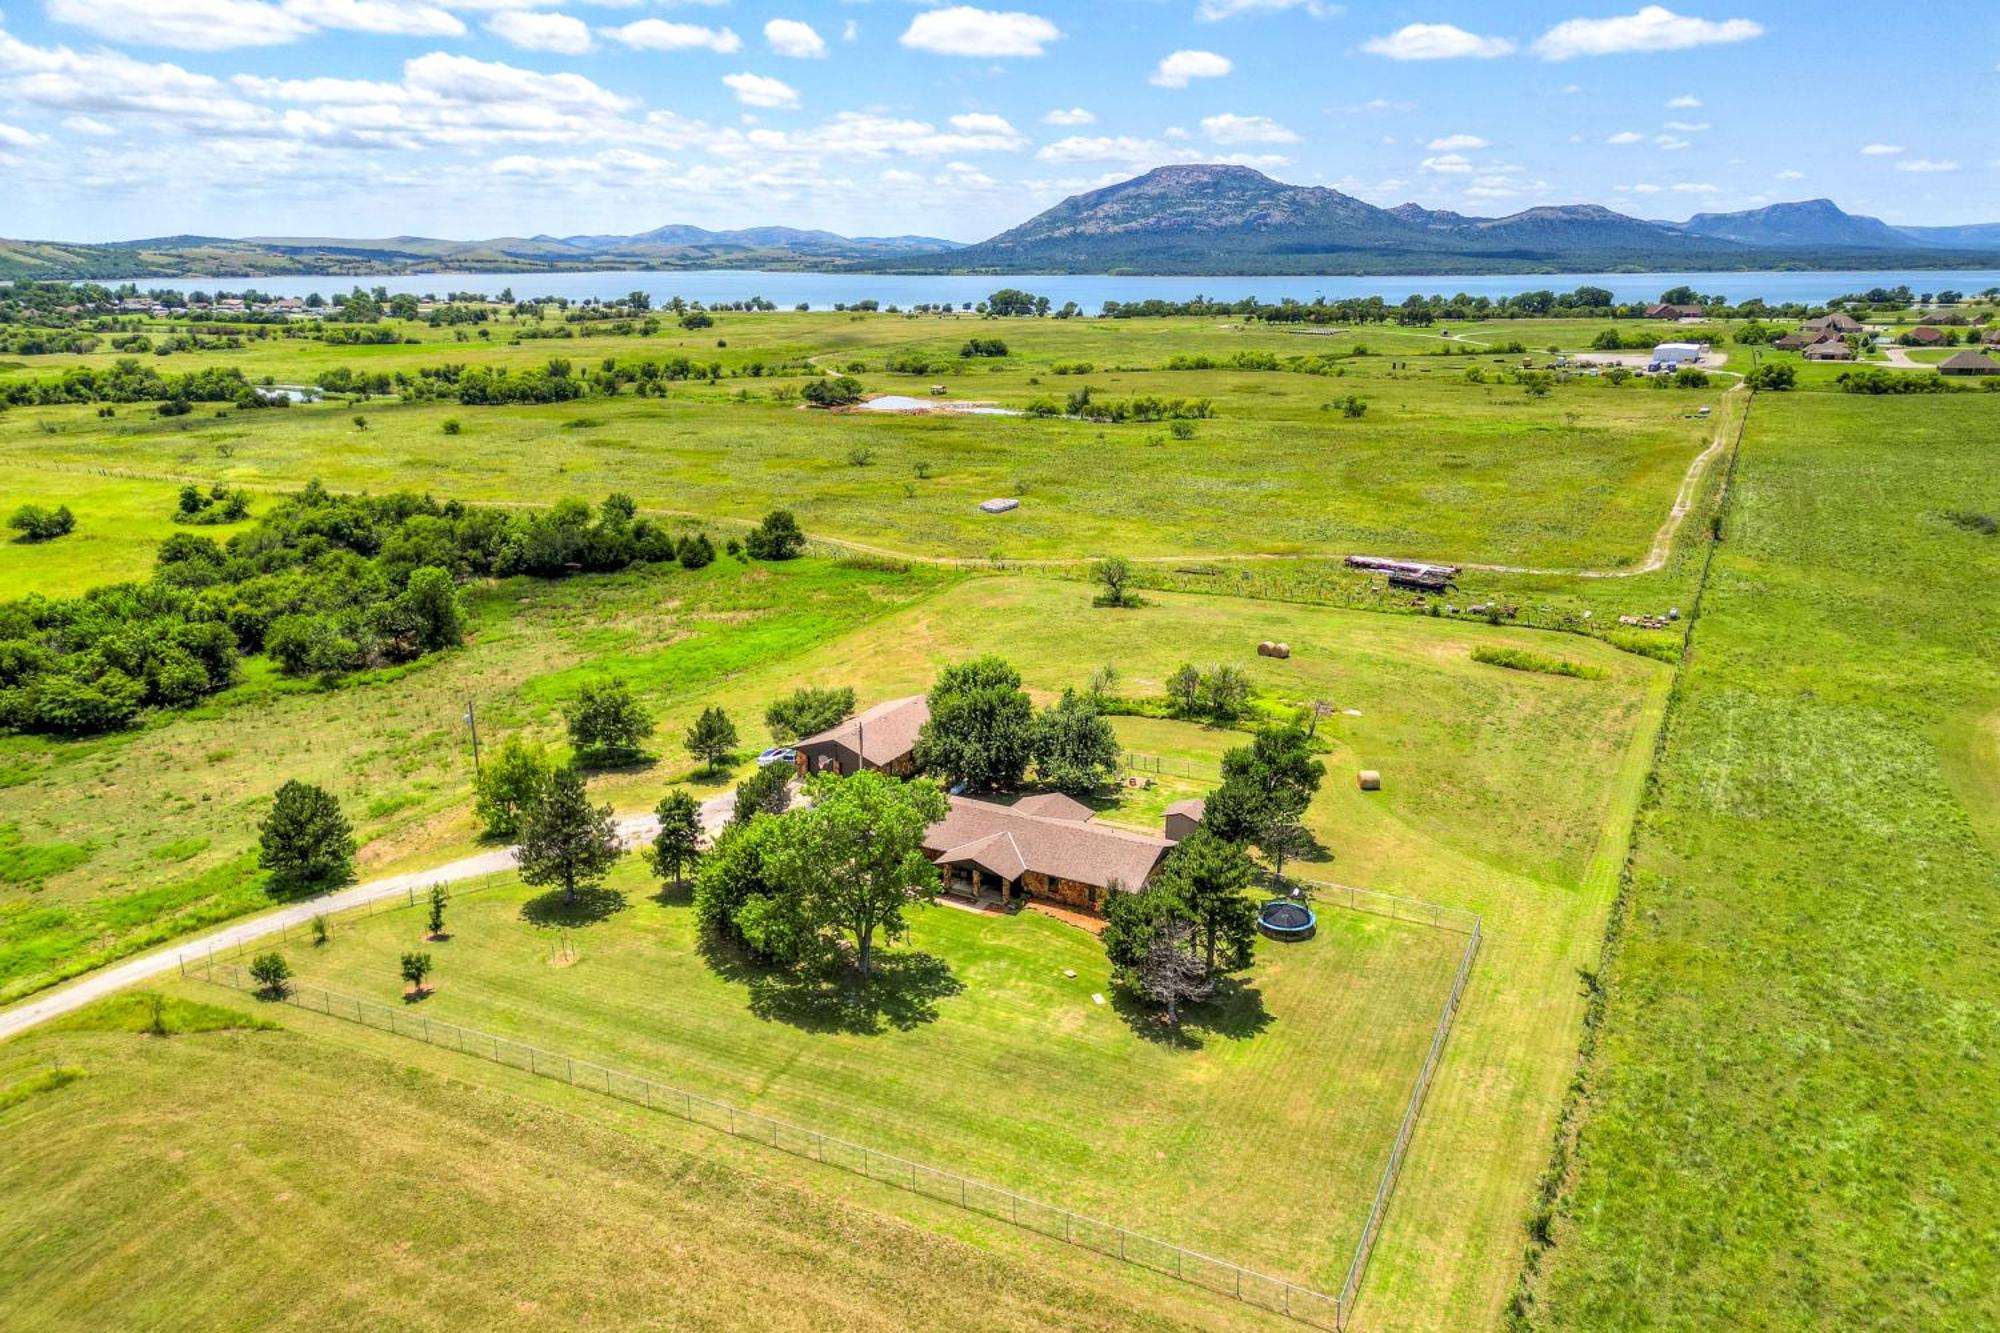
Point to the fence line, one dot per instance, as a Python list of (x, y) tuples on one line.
[(1135, 762), (1326, 892), (1275, 1294), (414, 895), (1393, 1167), (1215, 1275)]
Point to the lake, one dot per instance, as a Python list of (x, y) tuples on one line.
[(1090, 291)]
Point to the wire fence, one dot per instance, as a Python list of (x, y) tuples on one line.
[(1327, 893), (1216, 1275), (1391, 1169), (1159, 765), (398, 902)]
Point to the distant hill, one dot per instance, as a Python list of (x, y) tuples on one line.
[(1811, 222), (1229, 219), (669, 247), (1194, 218)]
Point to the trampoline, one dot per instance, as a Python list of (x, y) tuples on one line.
[(1283, 919)]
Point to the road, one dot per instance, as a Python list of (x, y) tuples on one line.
[(633, 830)]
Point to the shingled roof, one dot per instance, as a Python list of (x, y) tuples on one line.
[(882, 734), (1009, 841)]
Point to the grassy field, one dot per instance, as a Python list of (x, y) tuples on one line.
[(1581, 477), (1789, 1120), (126, 840), (204, 1177), (977, 1053)]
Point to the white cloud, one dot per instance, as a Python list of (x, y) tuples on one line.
[(1452, 143), (861, 134), (1214, 11), (1626, 136), (1789, 176), (850, 30), (1179, 68), (1881, 149), (393, 18), (1380, 105), (16, 137), (1448, 164), (1103, 148), (789, 37), (1075, 115), (1436, 41), (962, 30), (1680, 187), (761, 90), (1653, 28), (1926, 165), (89, 125), (1685, 102), (1229, 128), (191, 25), (1688, 126), (559, 33), (1670, 143), (661, 35)]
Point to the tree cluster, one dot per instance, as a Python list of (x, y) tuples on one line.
[(984, 733)]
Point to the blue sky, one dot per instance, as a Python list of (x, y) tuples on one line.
[(472, 118)]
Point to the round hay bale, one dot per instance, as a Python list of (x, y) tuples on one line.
[(1369, 779), (1281, 650)]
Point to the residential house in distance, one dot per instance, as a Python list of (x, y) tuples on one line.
[(1969, 362), (1924, 336), (1675, 312), (1830, 349), (1838, 322), (883, 738)]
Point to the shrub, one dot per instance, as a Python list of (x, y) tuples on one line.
[(270, 971), (776, 538), (807, 711), (832, 391), (1774, 376), (1519, 659), (37, 524)]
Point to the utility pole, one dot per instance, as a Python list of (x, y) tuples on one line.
[(472, 721)]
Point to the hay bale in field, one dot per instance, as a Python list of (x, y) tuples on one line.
[(1370, 780), (1270, 649)]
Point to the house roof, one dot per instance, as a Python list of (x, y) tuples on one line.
[(1009, 842), (1193, 807), (1830, 351), (1970, 360), (880, 735), (1054, 805), (1925, 333)]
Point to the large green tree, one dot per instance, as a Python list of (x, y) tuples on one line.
[(981, 729), (808, 710), (677, 847), (567, 841), (1075, 748), (606, 722), (711, 738), (305, 841), (1266, 787), (854, 855), (1207, 877), (509, 785)]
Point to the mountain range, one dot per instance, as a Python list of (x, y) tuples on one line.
[(1197, 219)]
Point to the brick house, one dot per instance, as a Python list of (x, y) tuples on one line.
[(1045, 847)]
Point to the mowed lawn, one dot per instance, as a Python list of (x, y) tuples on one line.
[(1790, 1122), (233, 1178), (1258, 1137), (1437, 466)]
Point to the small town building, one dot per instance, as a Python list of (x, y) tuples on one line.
[(1969, 362), (1038, 848), (1925, 336), (884, 738), (1837, 322), (1662, 311), (1668, 356), (1832, 349)]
